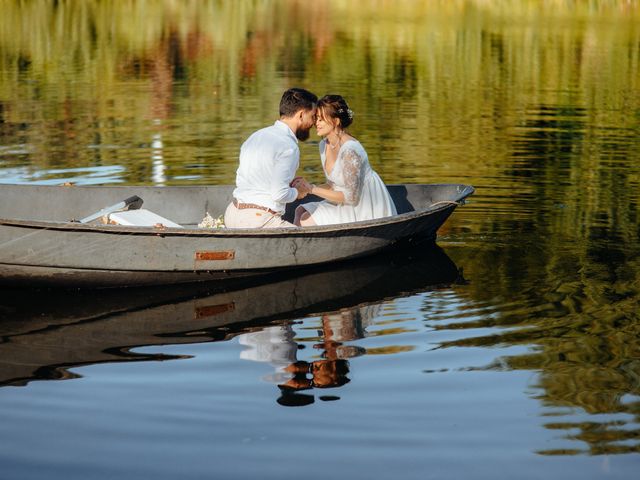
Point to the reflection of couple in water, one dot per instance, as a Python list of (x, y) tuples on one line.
[(276, 345), (266, 181)]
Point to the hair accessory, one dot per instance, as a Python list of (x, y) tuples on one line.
[(349, 112)]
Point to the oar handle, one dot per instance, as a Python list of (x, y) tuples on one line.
[(132, 203)]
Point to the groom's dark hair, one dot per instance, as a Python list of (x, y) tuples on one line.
[(295, 99)]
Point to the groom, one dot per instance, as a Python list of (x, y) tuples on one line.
[(269, 159)]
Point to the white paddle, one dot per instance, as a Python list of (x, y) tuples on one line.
[(131, 203)]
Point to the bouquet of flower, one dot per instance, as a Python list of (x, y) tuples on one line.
[(209, 222)]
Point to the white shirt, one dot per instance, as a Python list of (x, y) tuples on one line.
[(269, 159), (275, 345)]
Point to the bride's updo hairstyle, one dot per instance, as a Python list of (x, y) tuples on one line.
[(333, 108)]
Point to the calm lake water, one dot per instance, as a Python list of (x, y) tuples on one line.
[(510, 351)]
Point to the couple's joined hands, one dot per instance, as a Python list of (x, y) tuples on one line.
[(302, 185)]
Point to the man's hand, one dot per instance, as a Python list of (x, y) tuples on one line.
[(303, 187)]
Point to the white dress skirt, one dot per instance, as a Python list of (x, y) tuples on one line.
[(366, 196)]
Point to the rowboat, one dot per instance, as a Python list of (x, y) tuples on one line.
[(43, 243), (70, 328)]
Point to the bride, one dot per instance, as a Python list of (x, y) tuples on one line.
[(353, 191)]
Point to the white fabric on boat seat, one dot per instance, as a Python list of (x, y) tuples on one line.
[(140, 218)]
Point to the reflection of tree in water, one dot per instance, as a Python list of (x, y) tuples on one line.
[(217, 69), (276, 345), (564, 283), (582, 331)]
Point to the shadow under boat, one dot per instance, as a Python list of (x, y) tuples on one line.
[(44, 333)]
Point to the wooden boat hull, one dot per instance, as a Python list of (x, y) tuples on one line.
[(58, 252)]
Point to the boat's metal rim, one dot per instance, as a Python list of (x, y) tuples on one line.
[(466, 191)]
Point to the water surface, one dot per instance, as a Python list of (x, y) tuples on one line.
[(511, 351)]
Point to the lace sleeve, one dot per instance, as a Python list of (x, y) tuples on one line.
[(353, 168)]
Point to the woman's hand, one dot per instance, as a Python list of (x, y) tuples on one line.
[(303, 187)]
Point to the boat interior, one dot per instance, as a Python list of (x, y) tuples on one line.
[(182, 206)]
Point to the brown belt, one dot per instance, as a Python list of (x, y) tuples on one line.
[(242, 206)]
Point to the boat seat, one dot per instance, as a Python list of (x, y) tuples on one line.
[(139, 218)]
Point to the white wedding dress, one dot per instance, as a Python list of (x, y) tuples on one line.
[(366, 196)]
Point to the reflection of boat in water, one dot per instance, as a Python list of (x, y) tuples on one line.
[(46, 332)]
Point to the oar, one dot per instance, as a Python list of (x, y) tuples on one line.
[(131, 203)]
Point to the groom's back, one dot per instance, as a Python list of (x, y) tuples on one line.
[(268, 161)]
